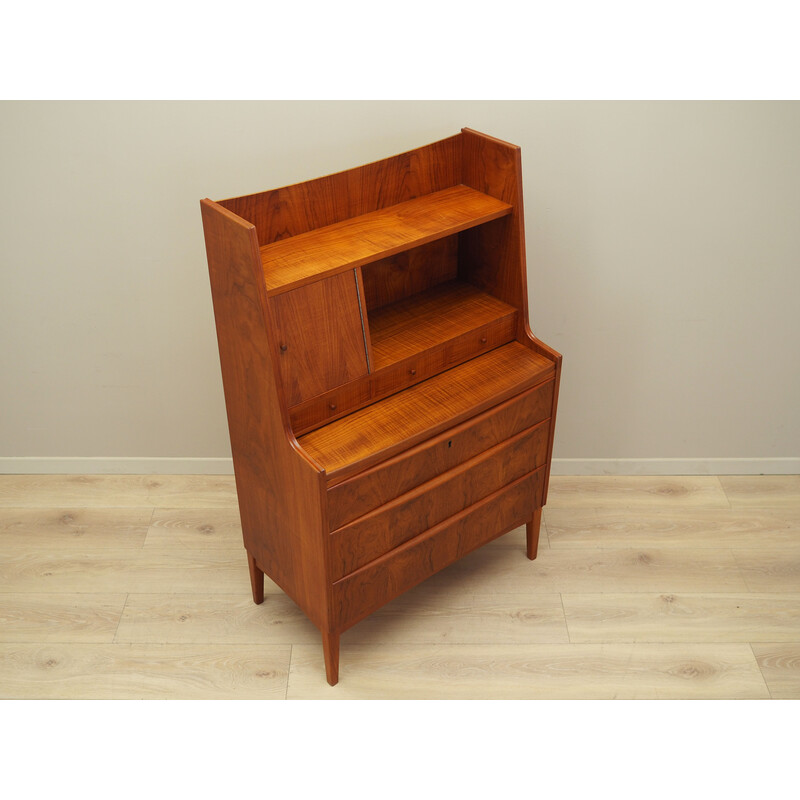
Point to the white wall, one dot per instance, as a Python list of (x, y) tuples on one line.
[(663, 259)]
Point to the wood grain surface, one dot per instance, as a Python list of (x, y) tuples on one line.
[(143, 672), (62, 528), (432, 318), (292, 210), (59, 617), (517, 538), (196, 528), (671, 526), (427, 614), (280, 527), (494, 254), (294, 262), (416, 366), (624, 491), (762, 491), (682, 617), (410, 272), (101, 569), (538, 671), (209, 619), (776, 569), (286, 285), (320, 337), (660, 600), (402, 420), (434, 501), (780, 664), (601, 569), (117, 491), (422, 615), (368, 588), (374, 487)]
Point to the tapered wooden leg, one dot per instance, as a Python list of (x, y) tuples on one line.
[(532, 530), (256, 580), (330, 646)]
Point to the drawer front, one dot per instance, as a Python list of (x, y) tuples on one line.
[(428, 504), (387, 380), (359, 594), (356, 496)]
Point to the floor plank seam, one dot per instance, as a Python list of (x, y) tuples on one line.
[(724, 493), (761, 671), (564, 612), (149, 528), (742, 573), (119, 621), (288, 672), (543, 526)]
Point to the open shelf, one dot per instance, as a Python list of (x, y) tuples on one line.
[(298, 260), (431, 318)]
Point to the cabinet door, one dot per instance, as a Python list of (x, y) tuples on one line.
[(321, 336)]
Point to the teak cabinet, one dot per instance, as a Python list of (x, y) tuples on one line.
[(389, 409)]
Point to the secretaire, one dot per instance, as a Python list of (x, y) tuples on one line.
[(389, 408)]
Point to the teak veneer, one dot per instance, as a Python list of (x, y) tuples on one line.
[(389, 408), (345, 245)]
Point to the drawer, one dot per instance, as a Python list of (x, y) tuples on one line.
[(387, 380), (367, 589), (356, 496), (428, 504)]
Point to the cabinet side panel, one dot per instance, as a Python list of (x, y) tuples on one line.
[(492, 256), (280, 490), (291, 210)]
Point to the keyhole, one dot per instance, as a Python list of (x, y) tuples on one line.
[(450, 443)]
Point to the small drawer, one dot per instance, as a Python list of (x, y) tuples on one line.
[(367, 589), (425, 506), (442, 356), (329, 406), (356, 496), (387, 380)]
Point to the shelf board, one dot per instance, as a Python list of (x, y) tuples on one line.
[(307, 257), (430, 318), (355, 442)]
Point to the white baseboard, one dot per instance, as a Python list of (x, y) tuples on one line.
[(675, 466), (561, 466)]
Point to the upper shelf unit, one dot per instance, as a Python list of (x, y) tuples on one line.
[(298, 260)]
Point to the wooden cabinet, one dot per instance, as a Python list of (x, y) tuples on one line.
[(388, 406)]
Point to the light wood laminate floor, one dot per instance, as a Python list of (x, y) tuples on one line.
[(137, 587)]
